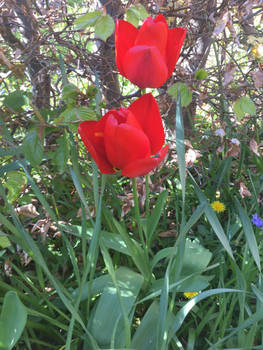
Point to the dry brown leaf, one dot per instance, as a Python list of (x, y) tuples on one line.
[(253, 146), (188, 143), (232, 30), (258, 78), (221, 23), (128, 203), (229, 73), (234, 148), (42, 226), (92, 213), (7, 268), (191, 156), (243, 190), (169, 233), (28, 210)]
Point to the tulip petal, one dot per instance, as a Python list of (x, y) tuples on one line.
[(142, 167), (153, 33), (160, 18), (174, 44), (146, 111), (125, 36), (124, 143), (145, 67), (92, 135)]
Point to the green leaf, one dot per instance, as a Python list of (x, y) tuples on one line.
[(32, 148), (136, 13), (60, 157), (104, 27), (87, 20), (201, 74), (180, 147), (153, 220), (145, 337), (135, 250), (69, 93), (191, 283), (143, 14), (196, 257), (16, 100), (73, 115), (4, 241), (108, 312), (249, 233), (146, 333), (181, 315), (15, 182), (132, 17), (185, 91), (213, 220), (244, 106), (12, 321)]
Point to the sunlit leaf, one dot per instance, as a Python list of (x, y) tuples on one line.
[(244, 106), (15, 182), (104, 27), (16, 100), (87, 20), (185, 91), (33, 148), (12, 321), (201, 74)]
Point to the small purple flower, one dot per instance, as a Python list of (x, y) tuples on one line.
[(256, 220)]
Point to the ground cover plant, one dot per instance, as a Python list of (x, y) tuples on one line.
[(131, 175)]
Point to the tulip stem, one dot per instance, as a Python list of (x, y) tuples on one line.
[(147, 199), (137, 212)]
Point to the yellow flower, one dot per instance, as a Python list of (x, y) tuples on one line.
[(190, 295), (218, 207), (257, 51)]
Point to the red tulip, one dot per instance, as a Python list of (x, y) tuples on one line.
[(147, 56), (129, 139)]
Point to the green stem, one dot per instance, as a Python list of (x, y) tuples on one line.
[(147, 193), (90, 263), (137, 212)]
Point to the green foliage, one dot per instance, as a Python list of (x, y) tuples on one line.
[(16, 100), (60, 156), (87, 20), (33, 148), (201, 74), (104, 27), (107, 322), (196, 257), (136, 13), (12, 321), (243, 106), (15, 182), (103, 24), (4, 241), (185, 91)]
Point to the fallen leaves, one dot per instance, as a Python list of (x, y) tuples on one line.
[(28, 210), (254, 147), (243, 190), (229, 73)]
